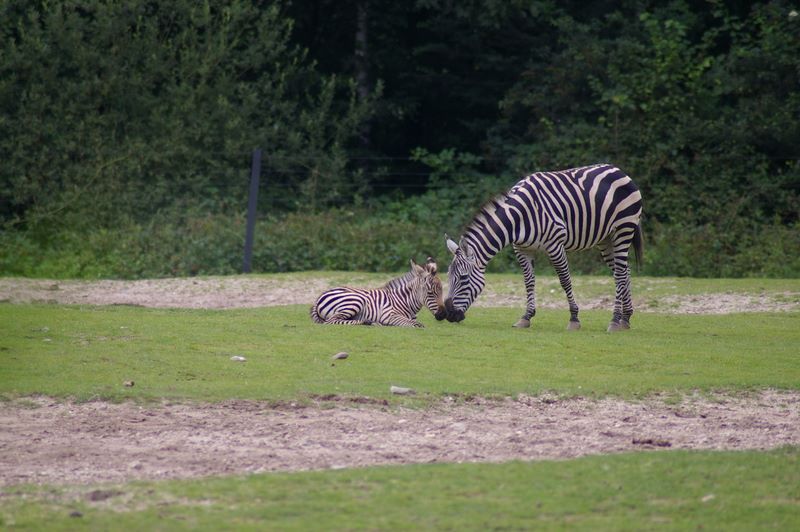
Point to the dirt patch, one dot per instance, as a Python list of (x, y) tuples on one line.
[(244, 291), (46, 441), (208, 292)]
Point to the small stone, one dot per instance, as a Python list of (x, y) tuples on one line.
[(399, 390), (237, 358), (340, 355), (128, 384), (75, 513)]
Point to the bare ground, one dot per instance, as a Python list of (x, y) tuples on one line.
[(240, 291), (45, 441), (48, 441)]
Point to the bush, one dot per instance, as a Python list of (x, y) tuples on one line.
[(189, 242)]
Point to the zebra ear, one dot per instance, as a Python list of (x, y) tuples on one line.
[(452, 246), (416, 268), (470, 254), (431, 265)]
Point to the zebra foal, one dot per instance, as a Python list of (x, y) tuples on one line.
[(594, 206), (396, 303)]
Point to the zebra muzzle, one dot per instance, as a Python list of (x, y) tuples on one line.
[(453, 314)]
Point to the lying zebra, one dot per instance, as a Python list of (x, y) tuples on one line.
[(396, 303)]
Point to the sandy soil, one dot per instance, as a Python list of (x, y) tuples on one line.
[(44, 441), (47, 441), (241, 291)]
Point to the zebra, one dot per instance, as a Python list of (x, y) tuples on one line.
[(396, 303), (560, 211)]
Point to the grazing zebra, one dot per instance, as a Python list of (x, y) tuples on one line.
[(396, 303), (555, 212)]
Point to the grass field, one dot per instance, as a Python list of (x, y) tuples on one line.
[(84, 353), (643, 491), (90, 352)]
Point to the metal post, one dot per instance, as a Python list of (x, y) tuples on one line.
[(255, 174)]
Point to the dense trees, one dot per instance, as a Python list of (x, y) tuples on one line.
[(114, 110), (698, 100), (135, 118)]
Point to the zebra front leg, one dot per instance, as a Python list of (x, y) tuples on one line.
[(398, 320), (345, 321), (558, 257), (526, 263)]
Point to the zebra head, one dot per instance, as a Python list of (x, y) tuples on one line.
[(426, 288), (433, 298), (466, 278)]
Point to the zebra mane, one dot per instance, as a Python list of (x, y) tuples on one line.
[(479, 219), (399, 282)]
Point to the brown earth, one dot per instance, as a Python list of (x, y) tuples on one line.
[(45, 441), (48, 441), (242, 291)]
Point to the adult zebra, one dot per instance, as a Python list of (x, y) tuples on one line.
[(556, 212), (396, 303)]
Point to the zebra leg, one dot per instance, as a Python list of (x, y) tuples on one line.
[(623, 304), (351, 316), (346, 319), (399, 320), (617, 323), (558, 257), (526, 263)]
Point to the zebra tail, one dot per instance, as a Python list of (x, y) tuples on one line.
[(638, 247), (315, 317)]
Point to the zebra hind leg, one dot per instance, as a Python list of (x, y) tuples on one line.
[(346, 318), (623, 304)]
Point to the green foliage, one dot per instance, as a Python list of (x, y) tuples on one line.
[(711, 251), (125, 130), (186, 353), (382, 238), (698, 107), (113, 111), (633, 491)]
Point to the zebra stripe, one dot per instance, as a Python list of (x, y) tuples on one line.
[(396, 303), (568, 210)]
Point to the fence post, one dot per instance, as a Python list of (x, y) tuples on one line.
[(255, 174)]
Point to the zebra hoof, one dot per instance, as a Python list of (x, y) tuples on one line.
[(618, 326), (523, 324), (573, 325)]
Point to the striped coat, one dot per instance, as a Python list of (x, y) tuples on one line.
[(594, 206), (397, 303)]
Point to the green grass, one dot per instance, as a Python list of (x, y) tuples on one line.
[(89, 352), (641, 491)]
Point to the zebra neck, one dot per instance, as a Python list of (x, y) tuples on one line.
[(407, 298), (490, 231)]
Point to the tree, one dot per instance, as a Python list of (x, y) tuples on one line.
[(113, 110)]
